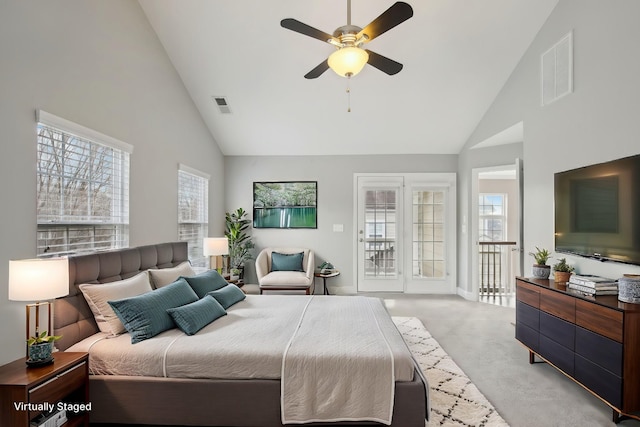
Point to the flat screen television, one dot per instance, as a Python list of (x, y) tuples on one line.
[(597, 211)]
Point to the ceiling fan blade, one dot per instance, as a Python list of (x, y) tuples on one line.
[(317, 72), (302, 28), (395, 15), (383, 63)]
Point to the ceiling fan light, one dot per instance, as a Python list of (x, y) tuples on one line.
[(348, 61)]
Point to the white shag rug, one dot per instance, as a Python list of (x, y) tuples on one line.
[(455, 400)]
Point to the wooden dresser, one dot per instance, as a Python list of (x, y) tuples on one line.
[(593, 340)]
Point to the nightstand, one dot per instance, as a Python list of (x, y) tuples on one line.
[(63, 384)]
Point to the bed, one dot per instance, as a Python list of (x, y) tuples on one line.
[(170, 393)]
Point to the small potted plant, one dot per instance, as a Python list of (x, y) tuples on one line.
[(541, 270), (40, 347), (562, 271)]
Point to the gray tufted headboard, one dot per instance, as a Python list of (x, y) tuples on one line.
[(72, 317)]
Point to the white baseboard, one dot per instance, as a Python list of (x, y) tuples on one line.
[(470, 296), (338, 290)]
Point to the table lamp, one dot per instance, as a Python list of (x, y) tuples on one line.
[(215, 247), (38, 280)]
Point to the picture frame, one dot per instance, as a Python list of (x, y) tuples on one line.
[(285, 204)]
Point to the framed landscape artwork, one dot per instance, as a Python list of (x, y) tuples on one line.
[(286, 204)]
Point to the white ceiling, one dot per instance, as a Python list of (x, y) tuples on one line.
[(457, 55)]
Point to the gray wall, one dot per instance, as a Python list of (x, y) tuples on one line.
[(335, 199), (596, 123), (98, 64)]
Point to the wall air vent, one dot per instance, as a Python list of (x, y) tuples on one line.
[(222, 104), (557, 70)]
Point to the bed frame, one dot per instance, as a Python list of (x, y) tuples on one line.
[(175, 401)]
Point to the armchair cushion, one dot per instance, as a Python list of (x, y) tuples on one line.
[(286, 262)]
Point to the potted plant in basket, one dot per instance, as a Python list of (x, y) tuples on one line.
[(40, 347), (240, 243), (562, 271), (541, 269)]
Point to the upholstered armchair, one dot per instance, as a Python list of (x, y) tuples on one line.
[(285, 269)]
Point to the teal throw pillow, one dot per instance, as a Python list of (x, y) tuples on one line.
[(192, 317), (286, 262), (206, 282), (145, 316), (228, 295)]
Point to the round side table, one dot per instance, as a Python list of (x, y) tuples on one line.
[(326, 276)]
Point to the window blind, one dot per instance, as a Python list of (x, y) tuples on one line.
[(193, 211), (82, 189)]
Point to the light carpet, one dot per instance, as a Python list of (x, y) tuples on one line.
[(455, 400)]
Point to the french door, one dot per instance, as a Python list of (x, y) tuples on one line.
[(406, 233), (379, 243)]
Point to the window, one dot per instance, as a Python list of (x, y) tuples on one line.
[(193, 211), (492, 217), (82, 188)]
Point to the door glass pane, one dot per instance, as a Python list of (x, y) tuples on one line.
[(428, 234), (380, 233)]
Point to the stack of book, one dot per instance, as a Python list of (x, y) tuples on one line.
[(593, 285)]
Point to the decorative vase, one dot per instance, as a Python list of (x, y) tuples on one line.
[(561, 276), (541, 271), (40, 353), (629, 288)]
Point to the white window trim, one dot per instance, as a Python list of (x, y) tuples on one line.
[(192, 171), (80, 131)]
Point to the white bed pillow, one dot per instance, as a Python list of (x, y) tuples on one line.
[(164, 276), (98, 295)]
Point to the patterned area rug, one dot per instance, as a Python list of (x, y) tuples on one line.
[(455, 401)]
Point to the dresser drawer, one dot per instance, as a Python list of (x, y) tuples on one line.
[(600, 350), (527, 315), (560, 331), (527, 293), (59, 386), (560, 305), (528, 336), (557, 354), (599, 380), (602, 320)]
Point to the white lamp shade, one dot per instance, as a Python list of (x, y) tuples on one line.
[(348, 61), (214, 246), (38, 279)]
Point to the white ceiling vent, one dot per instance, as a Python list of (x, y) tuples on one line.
[(222, 104), (557, 70)]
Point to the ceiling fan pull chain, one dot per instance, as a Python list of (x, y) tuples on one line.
[(348, 94)]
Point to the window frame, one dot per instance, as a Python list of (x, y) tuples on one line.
[(482, 217), (67, 223)]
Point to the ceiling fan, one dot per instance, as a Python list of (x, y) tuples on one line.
[(349, 58)]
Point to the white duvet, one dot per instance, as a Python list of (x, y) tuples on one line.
[(324, 348)]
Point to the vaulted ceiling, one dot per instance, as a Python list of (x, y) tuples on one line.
[(457, 55)]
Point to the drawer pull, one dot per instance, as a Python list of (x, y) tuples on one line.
[(81, 365)]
